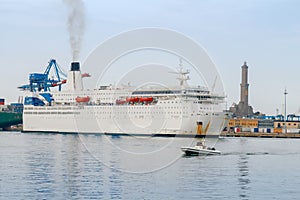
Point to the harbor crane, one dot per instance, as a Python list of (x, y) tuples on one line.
[(42, 81)]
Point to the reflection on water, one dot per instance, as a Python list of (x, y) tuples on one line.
[(243, 178)]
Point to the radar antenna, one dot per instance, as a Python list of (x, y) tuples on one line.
[(182, 75)]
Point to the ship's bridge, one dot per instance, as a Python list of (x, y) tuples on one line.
[(200, 93)]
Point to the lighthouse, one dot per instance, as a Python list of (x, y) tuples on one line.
[(244, 87), (243, 109)]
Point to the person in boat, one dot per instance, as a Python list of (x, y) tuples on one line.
[(211, 148), (200, 144)]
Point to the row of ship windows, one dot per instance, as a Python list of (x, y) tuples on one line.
[(107, 99), (143, 107), (107, 107), (73, 99), (93, 113), (121, 118), (142, 117), (97, 94), (52, 113), (170, 102), (50, 108), (111, 108), (158, 107), (145, 113)]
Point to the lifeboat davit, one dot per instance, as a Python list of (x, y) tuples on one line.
[(82, 99), (59, 83), (85, 75), (146, 99)]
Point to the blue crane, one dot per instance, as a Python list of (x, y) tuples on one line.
[(41, 81)]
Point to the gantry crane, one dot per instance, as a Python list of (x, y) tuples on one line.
[(42, 81)]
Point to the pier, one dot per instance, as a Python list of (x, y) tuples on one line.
[(262, 135)]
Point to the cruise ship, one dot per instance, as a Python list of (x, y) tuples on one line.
[(181, 110)]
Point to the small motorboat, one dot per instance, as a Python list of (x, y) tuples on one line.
[(200, 149)]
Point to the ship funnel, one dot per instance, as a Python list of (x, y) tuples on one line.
[(75, 66), (74, 82)]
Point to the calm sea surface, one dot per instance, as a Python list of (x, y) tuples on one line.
[(57, 166)]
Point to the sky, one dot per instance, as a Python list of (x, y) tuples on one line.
[(265, 33)]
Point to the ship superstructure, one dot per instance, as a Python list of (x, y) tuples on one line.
[(123, 110)]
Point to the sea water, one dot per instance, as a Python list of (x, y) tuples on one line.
[(77, 166)]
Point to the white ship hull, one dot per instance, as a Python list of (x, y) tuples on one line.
[(107, 119)]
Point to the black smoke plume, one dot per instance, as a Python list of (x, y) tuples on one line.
[(76, 25)]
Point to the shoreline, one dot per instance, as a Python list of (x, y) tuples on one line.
[(224, 134), (262, 135)]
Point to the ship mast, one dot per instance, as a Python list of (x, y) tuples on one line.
[(182, 75)]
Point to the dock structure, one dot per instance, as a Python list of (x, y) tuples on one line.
[(261, 135)]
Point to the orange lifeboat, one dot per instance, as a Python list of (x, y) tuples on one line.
[(82, 99), (120, 102), (132, 100), (146, 99)]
